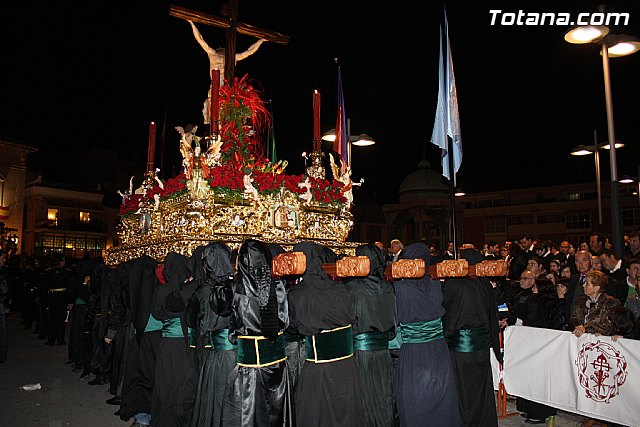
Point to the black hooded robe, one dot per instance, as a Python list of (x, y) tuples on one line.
[(374, 305), (470, 306), (327, 394), (425, 385), (260, 395), (175, 374), (215, 354), (141, 352)]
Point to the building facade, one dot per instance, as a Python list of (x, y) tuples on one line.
[(13, 171), (66, 222), (423, 213)]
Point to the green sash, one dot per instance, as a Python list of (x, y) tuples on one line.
[(396, 342), (258, 352), (371, 341), (469, 340), (330, 346), (421, 332), (172, 328), (79, 301), (153, 324), (220, 340)]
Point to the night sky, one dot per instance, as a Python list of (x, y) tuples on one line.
[(97, 73)]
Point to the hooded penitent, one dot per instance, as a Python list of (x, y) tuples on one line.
[(471, 329), (374, 306), (258, 390), (328, 392), (208, 312), (425, 384)]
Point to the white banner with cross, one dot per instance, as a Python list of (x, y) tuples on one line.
[(592, 375)]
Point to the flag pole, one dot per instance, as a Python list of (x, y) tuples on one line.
[(452, 171), (452, 191)]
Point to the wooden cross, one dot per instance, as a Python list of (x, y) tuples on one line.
[(231, 24)]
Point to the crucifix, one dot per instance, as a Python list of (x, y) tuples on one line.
[(231, 24)]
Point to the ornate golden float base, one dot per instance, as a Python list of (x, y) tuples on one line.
[(183, 223)]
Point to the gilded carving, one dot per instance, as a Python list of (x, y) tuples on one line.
[(289, 263), (452, 268), (353, 266), (408, 269), (492, 268)]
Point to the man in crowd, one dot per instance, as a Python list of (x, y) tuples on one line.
[(526, 243), (612, 267), (634, 247), (493, 250), (536, 266), (395, 248), (596, 243), (633, 299)]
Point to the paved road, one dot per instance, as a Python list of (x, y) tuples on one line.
[(65, 400)]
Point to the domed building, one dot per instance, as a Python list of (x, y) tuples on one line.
[(423, 212)]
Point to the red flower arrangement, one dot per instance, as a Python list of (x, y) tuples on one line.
[(243, 117)]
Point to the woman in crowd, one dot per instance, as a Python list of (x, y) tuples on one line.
[(543, 311), (591, 314)]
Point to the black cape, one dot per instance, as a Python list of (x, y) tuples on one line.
[(175, 375), (470, 303), (374, 306), (258, 396), (425, 385), (327, 394), (214, 272)]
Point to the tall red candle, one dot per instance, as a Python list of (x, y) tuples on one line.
[(215, 100), (152, 146), (316, 120)]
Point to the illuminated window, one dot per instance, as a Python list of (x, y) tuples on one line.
[(52, 214), (85, 217)]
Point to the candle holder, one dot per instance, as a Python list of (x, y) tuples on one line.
[(316, 170)]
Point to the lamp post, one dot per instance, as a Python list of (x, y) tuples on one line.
[(614, 46), (361, 140), (584, 150), (630, 180)]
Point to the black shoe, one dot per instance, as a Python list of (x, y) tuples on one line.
[(534, 421), (68, 362), (96, 381), (85, 374), (117, 413), (115, 400), (78, 369)]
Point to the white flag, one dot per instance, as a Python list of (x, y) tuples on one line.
[(447, 118)]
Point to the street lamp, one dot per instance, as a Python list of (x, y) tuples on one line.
[(361, 140), (584, 150), (633, 179), (614, 46)]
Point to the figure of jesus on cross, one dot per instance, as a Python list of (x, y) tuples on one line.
[(216, 61), (225, 59)]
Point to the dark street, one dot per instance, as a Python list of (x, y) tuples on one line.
[(63, 400)]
